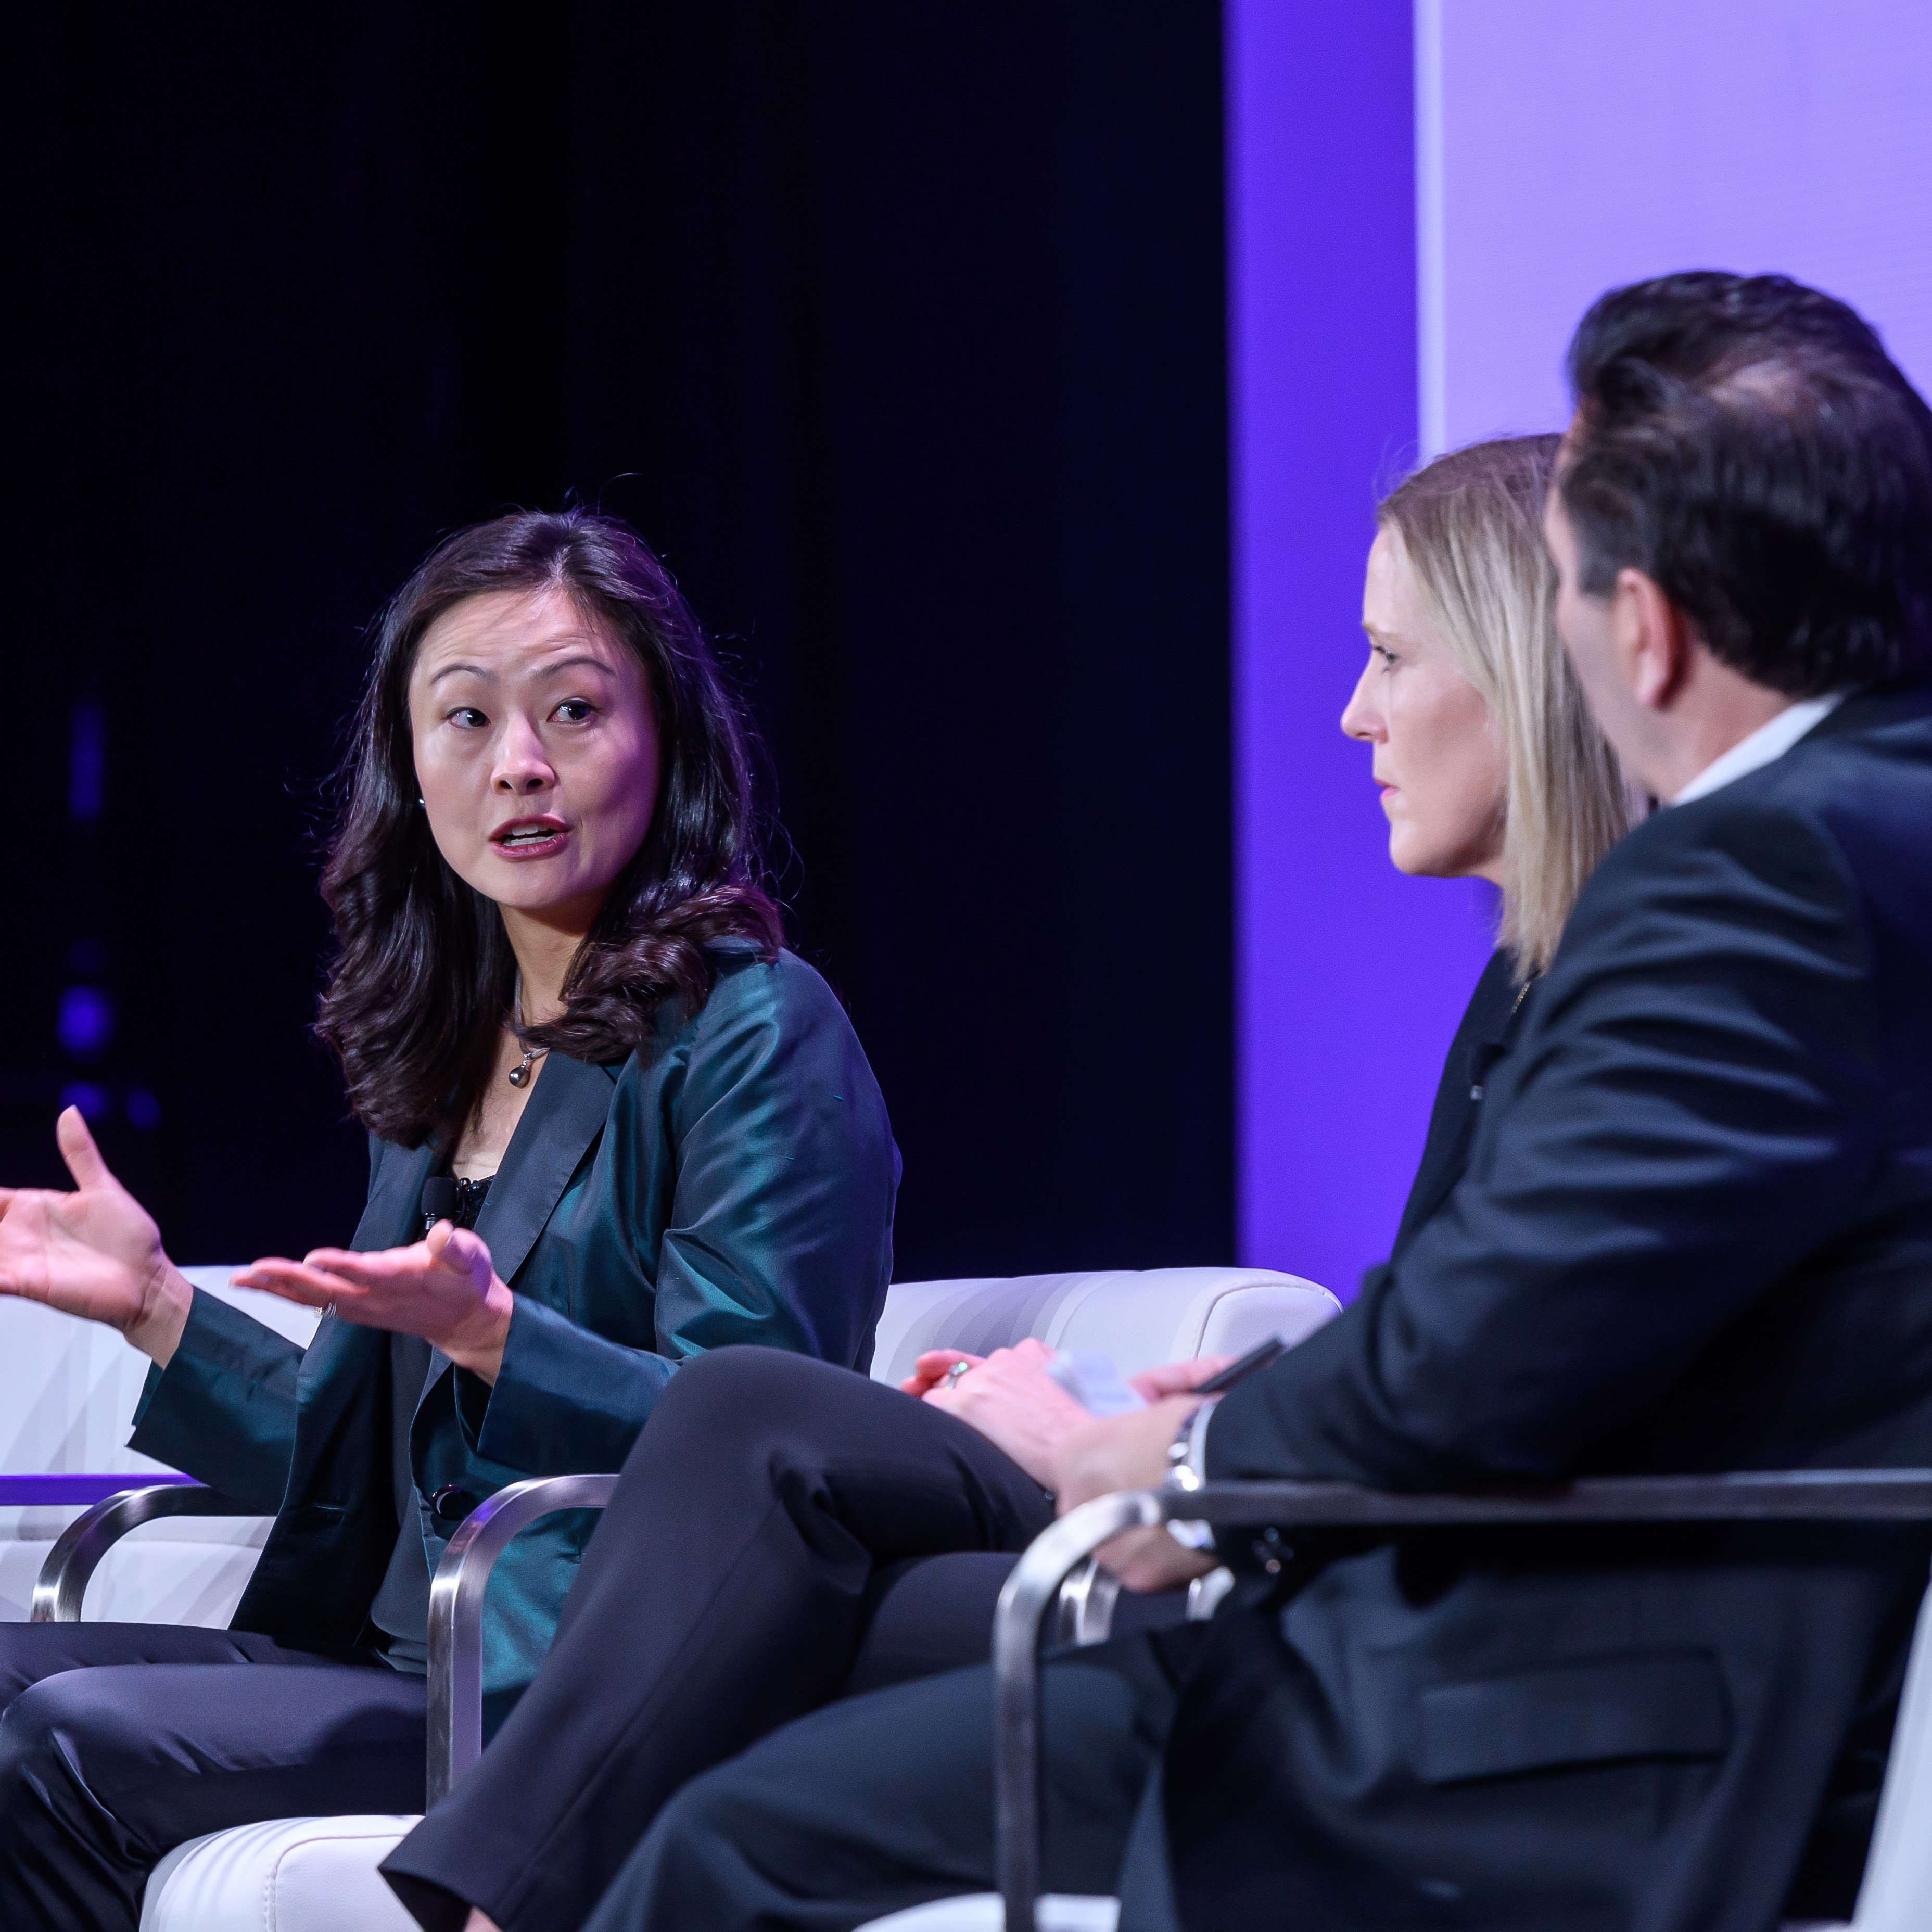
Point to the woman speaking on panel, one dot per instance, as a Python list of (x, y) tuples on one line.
[(784, 1534), (613, 1125)]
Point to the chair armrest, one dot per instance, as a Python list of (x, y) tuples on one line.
[(1033, 1589), (1084, 1604), (456, 1612), (77, 1551), (456, 1592), (1084, 1608)]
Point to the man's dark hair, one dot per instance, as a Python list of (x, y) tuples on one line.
[(1747, 443), (423, 979)]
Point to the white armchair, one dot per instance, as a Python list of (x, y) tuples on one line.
[(318, 1874)]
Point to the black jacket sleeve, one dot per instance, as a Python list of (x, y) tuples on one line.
[(1692, 1112)]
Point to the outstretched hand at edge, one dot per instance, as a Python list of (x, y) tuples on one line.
[(94, 1252)]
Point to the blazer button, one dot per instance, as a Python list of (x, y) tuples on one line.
[(451, 1504)]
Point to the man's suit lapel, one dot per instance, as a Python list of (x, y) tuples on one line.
[(567, 1110)]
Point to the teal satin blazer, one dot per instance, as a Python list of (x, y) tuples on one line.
[(733, 1183)]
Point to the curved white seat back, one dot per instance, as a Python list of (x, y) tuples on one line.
[(68, 1388), (67, 1393), (986, 1912), (319, 1874), (1138, 1317)]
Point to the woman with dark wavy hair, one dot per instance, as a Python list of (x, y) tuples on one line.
[(613, 1125), (429, 955)]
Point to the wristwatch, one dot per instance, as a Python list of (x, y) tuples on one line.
[(1186, 1459)]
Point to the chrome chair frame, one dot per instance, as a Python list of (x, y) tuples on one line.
[(77, 1551), (1085, 1613), (1032, 1593), (455, 1596), (456, 1612)]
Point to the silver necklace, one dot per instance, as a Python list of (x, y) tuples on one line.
[(520, 1074)]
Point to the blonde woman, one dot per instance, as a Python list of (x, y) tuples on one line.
[(1489, 764), (787, 1532)]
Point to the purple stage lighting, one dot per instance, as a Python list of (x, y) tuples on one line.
[(85, 1027), (1421, 204), (1350, 979), (87, 763), (95, 1102)]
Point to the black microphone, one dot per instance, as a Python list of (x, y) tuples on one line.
[(441, 1200)]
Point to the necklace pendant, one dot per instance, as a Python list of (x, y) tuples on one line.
[(519, 1076)]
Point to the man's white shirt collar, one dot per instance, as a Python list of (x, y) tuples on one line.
[(1769, 741)]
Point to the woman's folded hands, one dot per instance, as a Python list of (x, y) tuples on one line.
[(1010, 1398)]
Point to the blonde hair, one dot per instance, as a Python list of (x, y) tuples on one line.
[(1469, 526)]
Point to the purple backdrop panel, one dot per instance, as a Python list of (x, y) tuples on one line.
[(66, 1487), (1568, 148), (1350, 978)]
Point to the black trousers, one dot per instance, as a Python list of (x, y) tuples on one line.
[(118, 1741), (1547, 1752), (733, 1584), (884, 1801)]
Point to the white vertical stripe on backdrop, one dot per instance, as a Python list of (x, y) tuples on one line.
[(1574, 148)]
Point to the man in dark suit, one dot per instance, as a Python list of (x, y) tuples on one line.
[(1695, 1233)]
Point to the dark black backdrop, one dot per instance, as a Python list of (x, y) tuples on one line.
[(897, 329)]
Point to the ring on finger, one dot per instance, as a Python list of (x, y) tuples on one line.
[(953, 1374)]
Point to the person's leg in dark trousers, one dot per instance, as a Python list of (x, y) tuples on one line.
[(118, 1741), (884, 1801), (933, 1614), (724, 1593)]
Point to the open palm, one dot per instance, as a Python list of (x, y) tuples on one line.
[(94, 1252)]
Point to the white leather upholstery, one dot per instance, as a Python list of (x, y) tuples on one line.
[(1896, 1893), (269, 1878), (68, 1388), (67, 1392), (1139, 1318), (295, 1875), (985, 1911)]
